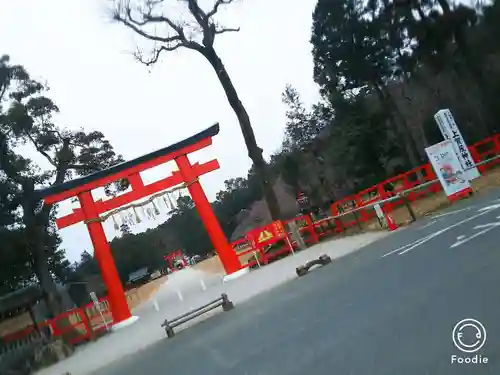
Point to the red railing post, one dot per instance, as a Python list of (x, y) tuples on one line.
[(338, 223), (312, 231), (477, 158)]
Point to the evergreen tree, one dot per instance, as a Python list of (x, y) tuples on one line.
[(26, 119)]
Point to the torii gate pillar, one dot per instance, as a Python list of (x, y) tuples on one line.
[(227, 256), (102, 252)]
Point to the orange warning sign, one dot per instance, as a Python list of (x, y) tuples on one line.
[(264, 236), (268, 235)]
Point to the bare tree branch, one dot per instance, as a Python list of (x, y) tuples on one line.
[(217, 4), (227, 30), (156, 54), (76, 166), (3, 89), (39, 149), (148, 18), (146, 15), (6, 163), (208, 26), (58, 133), (135, 25), (124, 15), (199, 15)]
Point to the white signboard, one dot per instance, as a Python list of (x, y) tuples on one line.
[(450, 131), (97, 305), (380, 215), (94, 299), (447, 167)]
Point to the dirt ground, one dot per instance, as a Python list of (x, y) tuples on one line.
[(211, 265), (139, 295)]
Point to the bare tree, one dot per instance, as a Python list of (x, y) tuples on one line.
[(198, 34)]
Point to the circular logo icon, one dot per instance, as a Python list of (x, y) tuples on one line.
[(469, 335)]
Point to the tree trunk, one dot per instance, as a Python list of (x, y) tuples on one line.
[(482, 83), (421, 130), (445, 6), (254, 151), (290, 174), (475, 108), (413, 152), (474, 68), (410, 153), (35, 227), (472, 108), (323, 182), (51, 294)]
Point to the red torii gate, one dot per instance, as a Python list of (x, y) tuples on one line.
[(170, 258), (90, 210)]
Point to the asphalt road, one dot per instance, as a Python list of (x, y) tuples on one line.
[(389, 308)]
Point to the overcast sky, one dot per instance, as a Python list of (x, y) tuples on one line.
[(86, 60)]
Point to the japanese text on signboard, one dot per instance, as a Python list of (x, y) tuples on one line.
[(450, 131), (447, 167)]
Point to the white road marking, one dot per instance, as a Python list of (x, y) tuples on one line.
[(393, 251), (453, 212), (489, 208), (415, 244), (428, 224), (155, 305), (424, 240), (488, 228), (179, 295), (462, 239), (481, 226)]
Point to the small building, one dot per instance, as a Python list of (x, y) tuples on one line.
[(80, 290), (25, 307), (139, 277)]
